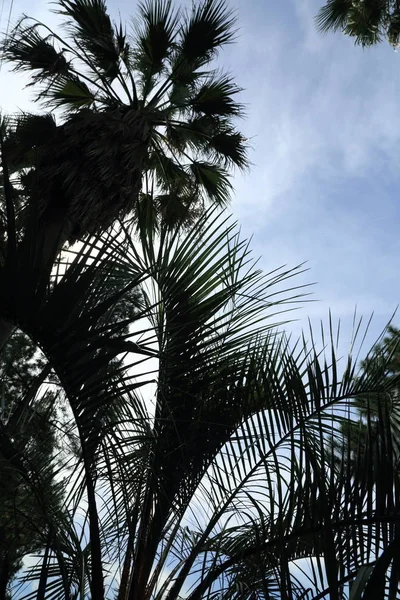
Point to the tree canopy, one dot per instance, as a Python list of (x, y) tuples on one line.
[(367, 21), (29, 421), (149, 119), (199, 465)]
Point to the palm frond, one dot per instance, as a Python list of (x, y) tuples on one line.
[(215, 98), (27, 137), (214, 181), (393, 31), (367, 22), (29, 51), (193, 134), (169, 172), (205, 30), (156, 27), (176, 208), (364, 23), (230, 146), (209, 27), (72, 93), (333, 15), (92, 27)]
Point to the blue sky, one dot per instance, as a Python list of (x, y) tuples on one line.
[(323, 120)]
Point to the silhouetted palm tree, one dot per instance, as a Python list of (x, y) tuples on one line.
[(196, 461), (148, 130), (368, 21), (149, 119)]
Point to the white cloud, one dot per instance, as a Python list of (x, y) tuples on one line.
[(323, 120)]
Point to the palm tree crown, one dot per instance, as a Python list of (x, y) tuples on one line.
[(368, 21), (148, 119)]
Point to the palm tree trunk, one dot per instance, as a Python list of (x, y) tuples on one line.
[(146, 555), (123, 587), (97, 580)]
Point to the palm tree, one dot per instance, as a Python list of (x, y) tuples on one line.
[(148, 118), (199, 466), (196, 455), (363, 433), (368, 21), (148, 130), (30, 419)]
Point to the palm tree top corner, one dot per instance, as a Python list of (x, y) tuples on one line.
[(146, 111), (367, 21)]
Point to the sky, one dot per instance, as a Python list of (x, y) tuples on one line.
[(323, 124)]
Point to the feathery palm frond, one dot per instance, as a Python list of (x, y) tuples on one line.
[(333, 15), (200, 436), (188, 322)]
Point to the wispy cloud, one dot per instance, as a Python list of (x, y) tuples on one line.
[(323, 123)]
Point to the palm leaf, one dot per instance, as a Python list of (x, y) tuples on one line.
[(230, 146), (209, 27), (393, 31), (333, 15), (365, 21), (32, 52), (214, 180), (193, 134), (27, 137), (72, 94), (156, 30), (206, 29), (92, 26), (215, 97)]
